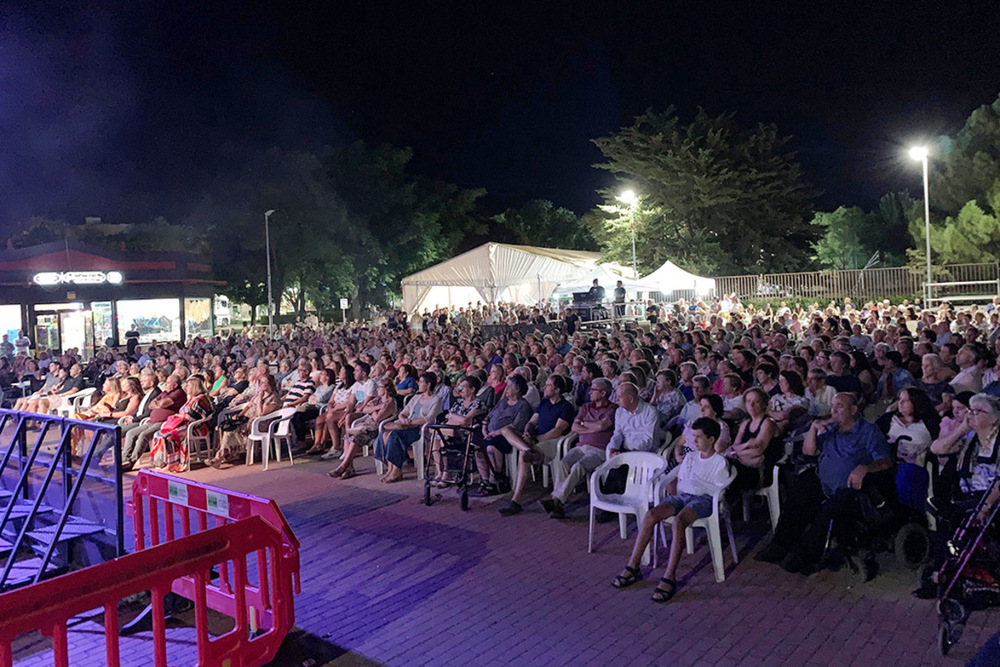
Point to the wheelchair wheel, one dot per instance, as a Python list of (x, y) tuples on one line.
[(944, 638), (463, 501), (912, 546), (952, 617), (427, 495)]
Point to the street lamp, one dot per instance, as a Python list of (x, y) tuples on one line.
[(920, 153), (267, 248), (629, 198)]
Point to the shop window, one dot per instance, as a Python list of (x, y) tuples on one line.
[(104, 324), (198, 317), (10, 321), (155, 319)]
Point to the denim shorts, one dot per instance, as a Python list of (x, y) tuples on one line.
[(701, 505)]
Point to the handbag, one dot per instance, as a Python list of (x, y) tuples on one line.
[(174, 422), (233, 422), (614, 482)]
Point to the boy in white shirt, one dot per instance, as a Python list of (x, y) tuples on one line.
[(701, 473)]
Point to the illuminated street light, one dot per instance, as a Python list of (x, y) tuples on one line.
[(921, 153), (267, 248), (632, 200)]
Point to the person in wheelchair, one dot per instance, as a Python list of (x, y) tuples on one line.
[(850, 450)]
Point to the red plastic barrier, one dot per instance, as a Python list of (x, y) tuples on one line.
[(154, 492), (49, 605)]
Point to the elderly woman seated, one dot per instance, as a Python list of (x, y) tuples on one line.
[(362, 433), (401, 433), (970, 468), (466, 410), (236, 427)]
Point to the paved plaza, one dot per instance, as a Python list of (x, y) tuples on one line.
[(387, 580)]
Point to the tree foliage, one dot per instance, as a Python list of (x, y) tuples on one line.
[(964, 195), (714, 197), (852, 236), (538, 222)]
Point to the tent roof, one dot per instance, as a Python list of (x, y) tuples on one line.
[(501, 264), (670, 276)]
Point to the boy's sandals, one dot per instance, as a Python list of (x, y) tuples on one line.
[(665, 594), (631, 576)]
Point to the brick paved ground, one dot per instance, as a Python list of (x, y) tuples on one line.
[(389, 581)]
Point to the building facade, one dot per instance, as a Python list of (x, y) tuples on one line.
[(69, 295)]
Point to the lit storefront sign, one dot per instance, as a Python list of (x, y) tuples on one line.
[(52, 278)]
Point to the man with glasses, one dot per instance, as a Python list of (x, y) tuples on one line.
[(594, 426)]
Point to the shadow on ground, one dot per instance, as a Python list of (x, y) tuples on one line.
[(304, 649)]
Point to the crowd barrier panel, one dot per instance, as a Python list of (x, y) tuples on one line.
[(159, 500), (49, 606)]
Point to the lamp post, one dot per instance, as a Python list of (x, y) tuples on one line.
[(629, 198), (920, 153), (267, 249)]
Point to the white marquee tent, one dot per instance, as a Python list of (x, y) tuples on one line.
[(671, 278), (495, 272)]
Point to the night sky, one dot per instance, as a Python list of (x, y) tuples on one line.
[(129, 111)]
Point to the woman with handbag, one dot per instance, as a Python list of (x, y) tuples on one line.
[(236, 427)]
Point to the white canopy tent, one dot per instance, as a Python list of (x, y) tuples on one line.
[(606, 277), (495, 272), (672, 278)]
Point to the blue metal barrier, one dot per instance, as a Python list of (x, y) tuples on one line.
[(28, 525)]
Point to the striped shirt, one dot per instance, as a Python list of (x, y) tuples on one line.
[(299, 389)]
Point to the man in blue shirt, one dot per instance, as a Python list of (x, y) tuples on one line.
[(850, 450)]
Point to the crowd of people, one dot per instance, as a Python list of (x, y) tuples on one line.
[(858, 397)]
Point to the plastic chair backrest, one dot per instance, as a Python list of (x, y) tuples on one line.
[(84, 397), (260, 425), (284, 425)]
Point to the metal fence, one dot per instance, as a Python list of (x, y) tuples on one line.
[(858, 284)]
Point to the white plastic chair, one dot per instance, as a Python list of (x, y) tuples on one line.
[(200, 444), (931, 519), (710, 523), (353, 428), (770, 495), (272, 429), (77, 402), (565, 444), (644, 468), (379, 466)]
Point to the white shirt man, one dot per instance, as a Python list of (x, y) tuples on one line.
[(636, 423)]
